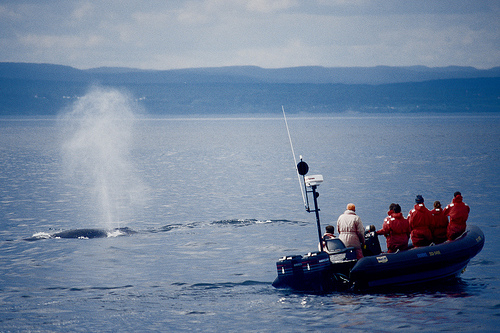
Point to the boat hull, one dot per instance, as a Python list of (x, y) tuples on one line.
[(418, 265), (321, 272)]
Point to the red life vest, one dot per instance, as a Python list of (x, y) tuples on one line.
[(458, 211), (397, 232), (420, 222), (439, 226)]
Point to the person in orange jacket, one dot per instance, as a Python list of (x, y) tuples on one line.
[(396, 230), (420, 222), (439, 224), (458, 211)]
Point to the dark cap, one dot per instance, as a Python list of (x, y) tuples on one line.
[(419, 199), (397, 208)]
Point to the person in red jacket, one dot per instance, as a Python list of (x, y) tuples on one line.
[(420, 221), (389, 213), (439, 224), (396, 230), (458, 211), (387, 219)]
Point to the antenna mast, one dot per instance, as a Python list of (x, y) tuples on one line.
[(311, 182), (295, 160)]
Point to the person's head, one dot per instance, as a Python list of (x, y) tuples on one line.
[(391, 206), (351, 206), (419, 199), (437, 204), (330, 229), (397, 208), (456, 194)]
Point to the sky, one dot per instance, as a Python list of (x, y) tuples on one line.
[(170, 34)]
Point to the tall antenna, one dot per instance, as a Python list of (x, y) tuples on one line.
[(294, 159)]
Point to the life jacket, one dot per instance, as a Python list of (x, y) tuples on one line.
[(439, 226), (398, 233), (458, 211), (420, 222), (387, 219)]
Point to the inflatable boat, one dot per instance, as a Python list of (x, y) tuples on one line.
[(337, 269)]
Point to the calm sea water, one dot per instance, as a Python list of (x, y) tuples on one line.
[(215, 202)]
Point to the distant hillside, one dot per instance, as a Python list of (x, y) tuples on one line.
[(42, 89), (243, 74)]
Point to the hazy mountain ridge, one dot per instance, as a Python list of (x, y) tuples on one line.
[(243, 74), (41, 89)]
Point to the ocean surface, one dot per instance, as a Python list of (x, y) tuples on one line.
[(198, 210)]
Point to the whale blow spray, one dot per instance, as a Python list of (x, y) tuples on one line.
[(98, 133)]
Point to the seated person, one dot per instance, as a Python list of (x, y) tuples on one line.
[(458, 211), (420, 220), (329, 234), (439, 224)]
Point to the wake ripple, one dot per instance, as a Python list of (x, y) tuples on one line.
[(222, 285)]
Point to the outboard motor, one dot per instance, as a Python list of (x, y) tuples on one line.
[(372, 244), (309, 273), (315, 271)]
